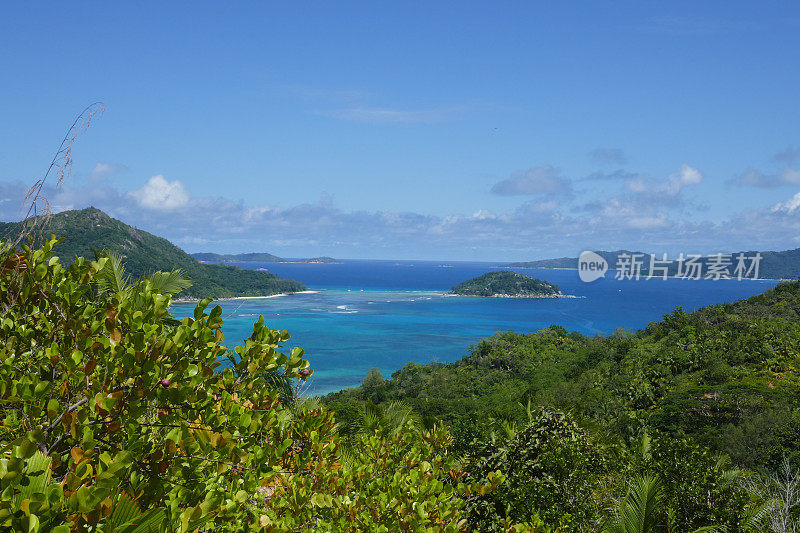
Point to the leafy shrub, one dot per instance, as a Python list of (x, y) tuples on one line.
[(700, 487), (552, 471), (116, 419)]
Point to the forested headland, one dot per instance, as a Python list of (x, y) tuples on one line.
[(90, 231)]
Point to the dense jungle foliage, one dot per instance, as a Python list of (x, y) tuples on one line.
[(90, 230), (722, 381), (116, 417), (505, 283)]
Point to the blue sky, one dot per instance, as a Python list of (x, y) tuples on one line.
[(486, 131)]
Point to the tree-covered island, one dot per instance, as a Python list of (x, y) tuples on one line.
[(508, 284)]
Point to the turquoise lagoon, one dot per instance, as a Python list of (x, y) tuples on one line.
[(384, 314)]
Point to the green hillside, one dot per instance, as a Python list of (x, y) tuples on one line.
[(727, 375), (87, 230), (506, 283)]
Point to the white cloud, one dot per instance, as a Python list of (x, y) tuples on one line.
[(789, 205), (619, 213), (160, 194), (609, 156), (790, 176), (788, 156), (685, 176), (754, 178), (618, 174), (644, 218), (637, 185), (653, 192), (483, 214), (544, 180), (102, 171)]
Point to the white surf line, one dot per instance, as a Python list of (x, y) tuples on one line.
[(270, 296)]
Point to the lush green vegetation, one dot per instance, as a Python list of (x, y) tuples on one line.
[(116, 417), (719, 382), (506, 283), (773, 265), (90, 230), (257, 257)]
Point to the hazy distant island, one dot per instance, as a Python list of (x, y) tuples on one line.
[(257, 257), (784, 265), (508, 284)]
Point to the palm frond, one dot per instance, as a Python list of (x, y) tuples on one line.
[(126, 517), (170, 283), (281, 383), (112, 279), (308, 403), (398, 414), (370, 420), (639, 510), (37, 470)]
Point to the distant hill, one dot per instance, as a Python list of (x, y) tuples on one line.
[(90, 229), (564, 262), (256, 257), (774, 265), (506, 284)]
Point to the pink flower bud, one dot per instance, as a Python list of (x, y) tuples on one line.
[(305, 372), (165, 383)]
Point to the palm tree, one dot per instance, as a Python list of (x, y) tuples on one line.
[(386, 419), (112, 280), (639, 510)]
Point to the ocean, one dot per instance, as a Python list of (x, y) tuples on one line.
[(384, 314)]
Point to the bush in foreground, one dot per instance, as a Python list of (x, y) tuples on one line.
[(117, 419)]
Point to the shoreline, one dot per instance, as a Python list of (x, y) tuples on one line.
[(227, 298), (520, 296)]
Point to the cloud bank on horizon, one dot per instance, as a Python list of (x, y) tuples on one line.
[(557, 215)]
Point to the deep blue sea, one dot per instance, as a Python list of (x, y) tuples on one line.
[(386, 313)]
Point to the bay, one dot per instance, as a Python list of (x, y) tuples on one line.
[(384, 314)]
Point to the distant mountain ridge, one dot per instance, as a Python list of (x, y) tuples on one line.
[(773, 265), (91, 229), (257, 257)]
